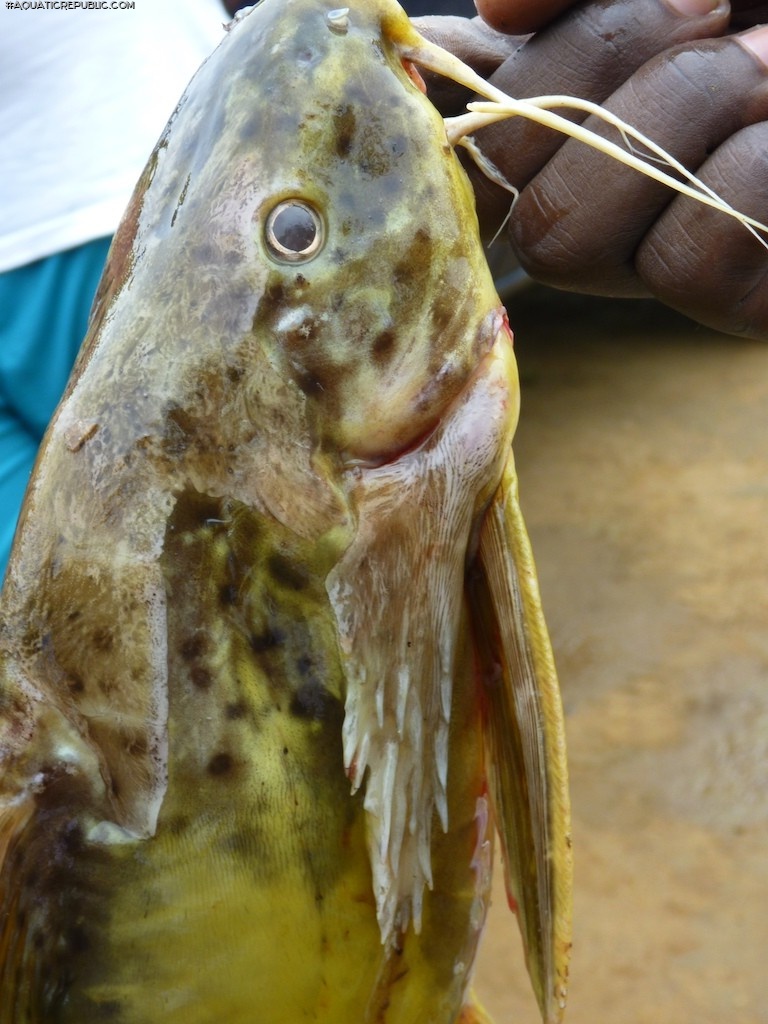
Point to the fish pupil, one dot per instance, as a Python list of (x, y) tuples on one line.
[(294, 231)]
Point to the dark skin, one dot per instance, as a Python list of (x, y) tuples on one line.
[(585, 223)]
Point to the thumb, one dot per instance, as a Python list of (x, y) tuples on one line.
[(520, 16)]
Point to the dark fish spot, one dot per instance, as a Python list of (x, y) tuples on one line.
[(75, 684), (251, 127), (136, 746), (247, 842), (201, 677), (384, 345), (182, 419), (194, 646), (77, 940), (406, 269), (307, 56), (310, 384), (178, 824), (442, 315), (236, 710), (70, 838), (221, 764), (234, 374), (38, 939), (313, 701), (267, 640), (228, 593), (103, 640), (194, 510), (398, 144), (287, 573), (274, 295), (376, 217), (304, 665), (180, 430), (344, 125)]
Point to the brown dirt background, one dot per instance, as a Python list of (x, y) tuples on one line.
[(643, 462)]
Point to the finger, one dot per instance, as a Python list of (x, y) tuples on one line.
[(708, 269), (521, 16), (707, 266), (587, 53), (578, 225)]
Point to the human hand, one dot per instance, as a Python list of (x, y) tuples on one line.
[(515, 17), (588, 224)]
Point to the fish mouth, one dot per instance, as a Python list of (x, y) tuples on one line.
[(490, 356), (494, 331)]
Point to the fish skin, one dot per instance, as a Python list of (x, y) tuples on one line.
[(237, 591)]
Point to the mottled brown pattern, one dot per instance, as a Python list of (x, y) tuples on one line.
[(179, 839)]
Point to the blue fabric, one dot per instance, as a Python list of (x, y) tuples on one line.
[(44, 309)]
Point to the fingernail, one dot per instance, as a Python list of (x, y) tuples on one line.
[(756, 40), (691, 8)]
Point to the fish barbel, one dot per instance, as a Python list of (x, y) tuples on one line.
[(272, 663)]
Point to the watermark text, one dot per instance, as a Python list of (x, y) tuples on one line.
[(70, 5)]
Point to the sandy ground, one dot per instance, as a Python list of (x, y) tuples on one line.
[(643, 460)]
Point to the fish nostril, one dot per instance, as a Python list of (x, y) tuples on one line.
[(294, 232)]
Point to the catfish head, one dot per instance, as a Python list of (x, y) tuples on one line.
[(373, 301)]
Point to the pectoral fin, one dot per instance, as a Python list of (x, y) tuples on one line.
[(525, 742)]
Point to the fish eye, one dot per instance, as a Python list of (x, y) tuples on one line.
[(294, 231)]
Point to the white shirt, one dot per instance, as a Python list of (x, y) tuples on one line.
[(84, 96)]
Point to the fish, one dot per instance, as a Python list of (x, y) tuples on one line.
[(273, 667)]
